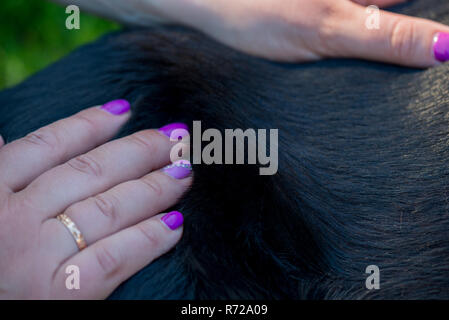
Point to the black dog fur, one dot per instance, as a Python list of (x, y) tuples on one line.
[(363, 164)]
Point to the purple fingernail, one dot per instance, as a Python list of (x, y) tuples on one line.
[(179, 169), (178, 128), (441, 46), (117, 107), (173, 219)]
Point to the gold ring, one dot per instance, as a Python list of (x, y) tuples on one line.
[(73, 229)]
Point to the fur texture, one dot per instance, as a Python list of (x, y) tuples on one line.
[(363, 164)]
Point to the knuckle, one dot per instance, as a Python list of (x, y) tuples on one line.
[(8, 206), (107, 205), (152, 237), (402, 38), (18, 213), (153, 185), (22, 204), (72, 210), (324, 36), (88, 125), (109, 260), (327, 28), (86, 165), (44, 137), (145, 139), (328, 9)]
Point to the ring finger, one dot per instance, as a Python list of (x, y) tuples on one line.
[(122, 206)]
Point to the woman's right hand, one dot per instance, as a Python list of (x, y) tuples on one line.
[(111, 192)]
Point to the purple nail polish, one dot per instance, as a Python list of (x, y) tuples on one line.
[(173, 219), (179, 169), (117, 107), (441, 46), (177, 128)]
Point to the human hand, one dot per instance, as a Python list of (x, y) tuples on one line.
[(112, 192), (308, 30)]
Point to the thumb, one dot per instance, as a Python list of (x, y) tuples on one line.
[(396, 38)]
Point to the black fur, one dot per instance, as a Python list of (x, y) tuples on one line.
[(363, 164)]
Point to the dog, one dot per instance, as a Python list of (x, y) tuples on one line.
[(363, 173)]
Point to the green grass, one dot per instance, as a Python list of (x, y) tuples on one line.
[(33, 35)]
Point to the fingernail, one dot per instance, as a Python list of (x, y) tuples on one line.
[(173, 219), (181, 130), (179, 169), (441, 46), (117, 107)]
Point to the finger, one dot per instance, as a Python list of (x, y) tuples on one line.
[(398, 39), (118, 208), (115, 162), (2, 142), (110, 261), (379, 3), (25, 159)]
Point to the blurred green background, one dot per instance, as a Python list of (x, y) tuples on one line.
[(33, 34)]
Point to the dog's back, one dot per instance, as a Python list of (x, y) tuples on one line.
[(363, 174)]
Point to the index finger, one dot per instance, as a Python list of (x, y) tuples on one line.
[(384, 36), (25, 159)]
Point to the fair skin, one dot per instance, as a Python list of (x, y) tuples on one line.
[(113, 191), (289, 30)]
